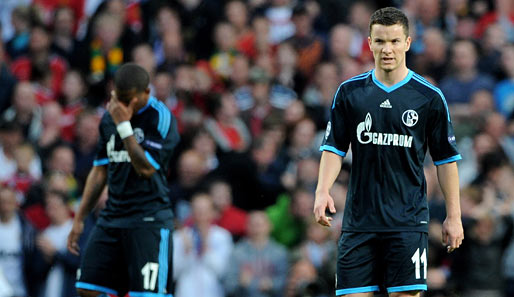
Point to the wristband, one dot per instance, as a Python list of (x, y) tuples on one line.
[(124, 129)]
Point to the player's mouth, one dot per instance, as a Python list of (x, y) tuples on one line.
[(387, 60)]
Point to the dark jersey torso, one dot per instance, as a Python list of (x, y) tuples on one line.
[(389, 130), (134, 200)]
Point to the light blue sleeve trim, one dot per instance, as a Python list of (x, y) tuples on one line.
[(164, 117), (86, 286), (357, 290), (163, 259), (357, 77), (148, 294), (152, 161), (101, 162), (423, 81), (407, 288), (332, 149), (448, 160)]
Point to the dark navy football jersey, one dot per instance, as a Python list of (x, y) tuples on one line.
[(134, 200), (389, 130)]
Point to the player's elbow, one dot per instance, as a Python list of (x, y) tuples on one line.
[(146, 172)]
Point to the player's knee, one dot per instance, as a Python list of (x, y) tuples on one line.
[(405, 294), (89, 293)]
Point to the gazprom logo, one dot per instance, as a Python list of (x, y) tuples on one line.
[(365, 136)]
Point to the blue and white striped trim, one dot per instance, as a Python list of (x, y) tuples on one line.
[(101, 162), (407, 288), (164, 116), (393, 87), (424, 82), (87, 286), (152, 161), (163, 260), (357, 290), (332, 149), (448, 160), (358, 77), (148, 294)]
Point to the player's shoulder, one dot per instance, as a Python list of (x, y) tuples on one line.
[(106, 119), (357, 80), (426, 88), (163, 117)]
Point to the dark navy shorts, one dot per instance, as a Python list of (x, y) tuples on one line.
[(383, 261), (118, 261)]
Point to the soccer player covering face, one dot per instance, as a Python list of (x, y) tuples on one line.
[(390, 116), (130, 248)]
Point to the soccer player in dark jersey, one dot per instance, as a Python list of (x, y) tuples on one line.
[(390, 116), (130, 248)]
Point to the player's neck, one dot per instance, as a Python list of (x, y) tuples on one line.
[(390, 78)]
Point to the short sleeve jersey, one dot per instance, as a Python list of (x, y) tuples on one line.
[(389, 130), (134, 200)]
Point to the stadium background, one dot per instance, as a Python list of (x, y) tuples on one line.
[(250, 83)]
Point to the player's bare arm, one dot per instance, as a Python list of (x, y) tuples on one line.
[(448, 177), (329, 168), (122, 113), (95, 184)]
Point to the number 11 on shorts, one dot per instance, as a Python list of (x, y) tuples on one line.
[(416, 260)]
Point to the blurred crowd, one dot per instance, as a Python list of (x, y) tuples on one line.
[(250, 83)]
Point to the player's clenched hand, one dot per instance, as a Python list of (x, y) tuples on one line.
[(73, 237), (322, 202), (119, 111), (453, 234)]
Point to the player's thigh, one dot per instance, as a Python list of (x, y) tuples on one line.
[(149, 260), (405, 256), (358, 264), (102, 267)]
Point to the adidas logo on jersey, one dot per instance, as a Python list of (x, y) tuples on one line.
[(386, 104)]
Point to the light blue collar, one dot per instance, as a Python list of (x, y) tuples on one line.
[(393, 87), (150, 99)]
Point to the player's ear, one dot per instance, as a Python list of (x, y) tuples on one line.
[(369, 41), (147, 91), (407, 43)]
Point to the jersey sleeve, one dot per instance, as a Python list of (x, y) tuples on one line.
[(159, 146), (101, 157), (441, 138), (337, 134)]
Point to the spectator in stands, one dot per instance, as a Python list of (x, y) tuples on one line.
[(143, 56), (51, 120), (17, 248), (192, 169), (63, 40), (61, 265), (259, 264), (504, 90), (73, 101), (20, 15), (40, 59), (290, 215), (310, 48), (229, 217), (201, 253), (433, 61), (25, 111), (465, 78), (7, 81), (85, 143), (10, 138), (225, 126)]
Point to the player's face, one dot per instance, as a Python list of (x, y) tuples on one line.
[(389, 45)]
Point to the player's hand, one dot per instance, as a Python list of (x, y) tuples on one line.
[(73, 237), (322, 202), (119, 111), (453, 234)]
